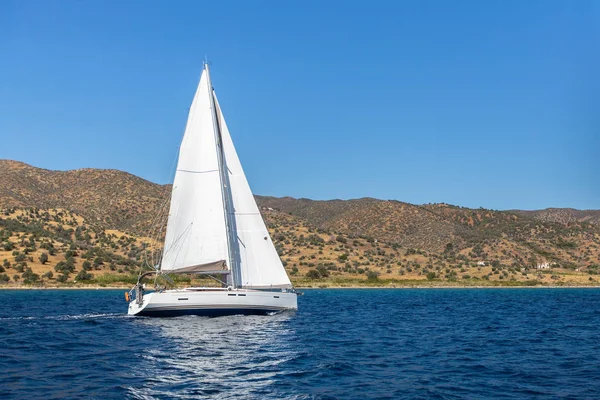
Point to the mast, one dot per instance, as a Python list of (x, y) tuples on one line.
[(233, 278)]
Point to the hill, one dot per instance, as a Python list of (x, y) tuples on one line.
[(112, 198), (563, 215), (95, 226)]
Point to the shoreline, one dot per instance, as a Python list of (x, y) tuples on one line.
[(323, 288), (453, 287)]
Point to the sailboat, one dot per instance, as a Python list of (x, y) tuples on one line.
[(214, 228)]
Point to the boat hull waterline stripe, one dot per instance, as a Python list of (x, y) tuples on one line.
[(214, 306), (209, 312)]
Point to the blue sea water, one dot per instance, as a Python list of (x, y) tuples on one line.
[(341, 344)]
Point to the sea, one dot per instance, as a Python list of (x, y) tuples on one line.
[(341, 344)]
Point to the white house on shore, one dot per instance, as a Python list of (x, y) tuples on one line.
[(545, 265)]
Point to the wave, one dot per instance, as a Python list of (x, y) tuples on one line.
[(65, 317)]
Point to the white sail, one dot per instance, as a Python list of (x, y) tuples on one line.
[(196, 236), (257, 259)]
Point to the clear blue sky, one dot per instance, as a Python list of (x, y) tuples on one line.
[(474, 103)]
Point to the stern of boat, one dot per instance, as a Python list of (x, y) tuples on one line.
[(138, 301)]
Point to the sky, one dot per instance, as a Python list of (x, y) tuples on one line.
[(489, 104)]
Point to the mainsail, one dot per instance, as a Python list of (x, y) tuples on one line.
[(196, 230)]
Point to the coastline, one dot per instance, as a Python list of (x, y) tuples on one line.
[(65, 288), (328, 287), (453, 287)]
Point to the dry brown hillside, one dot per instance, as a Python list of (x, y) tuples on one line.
[(564, 215), (94, 227), (114, 198), (391, 221)]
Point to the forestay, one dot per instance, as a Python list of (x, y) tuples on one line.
[(196, 230)]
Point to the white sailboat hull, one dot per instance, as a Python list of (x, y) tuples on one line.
[(212, 302)]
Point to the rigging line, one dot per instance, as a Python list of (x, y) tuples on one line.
[(157, 233), (240, 239), (159, 220), (154, 227), (155, 224), (174, 245), (160, 226), (218, 280), (151, 234)]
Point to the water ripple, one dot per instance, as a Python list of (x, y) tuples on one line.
[(372, 344)]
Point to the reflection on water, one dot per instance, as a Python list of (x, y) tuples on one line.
[(236, 356)]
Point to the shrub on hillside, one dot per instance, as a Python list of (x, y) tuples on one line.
[(372, 276), (341, 239), (30, 277), (313, 274), (84, 276)]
